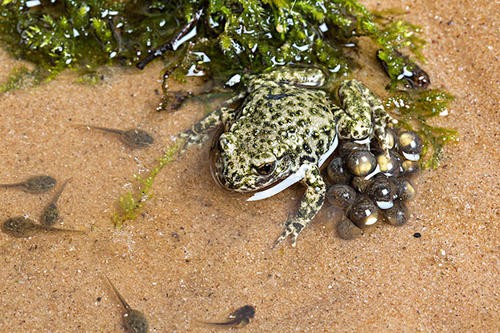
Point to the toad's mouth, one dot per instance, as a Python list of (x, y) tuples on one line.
[(285, 183)]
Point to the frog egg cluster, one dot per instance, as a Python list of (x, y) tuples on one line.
[(368, 184)]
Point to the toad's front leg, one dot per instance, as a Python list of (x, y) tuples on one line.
[(199, 133), (309, 205)]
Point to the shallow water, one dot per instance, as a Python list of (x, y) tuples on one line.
[(198, 252)]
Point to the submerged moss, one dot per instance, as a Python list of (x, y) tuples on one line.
[(21, 77), (236, 35)]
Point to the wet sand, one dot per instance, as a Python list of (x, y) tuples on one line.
[(196, 253)]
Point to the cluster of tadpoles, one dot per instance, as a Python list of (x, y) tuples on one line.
[(24, 227), (369, 184), (135, 321)]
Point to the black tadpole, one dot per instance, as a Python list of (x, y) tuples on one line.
[(23, 227), (173, 44), (34, 184), (239, 318), (134, 138), (133, 320), (50, 213)]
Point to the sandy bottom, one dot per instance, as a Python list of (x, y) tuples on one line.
[(198, 252)]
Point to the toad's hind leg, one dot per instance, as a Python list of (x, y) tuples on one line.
[(309, 206), (362, 115)]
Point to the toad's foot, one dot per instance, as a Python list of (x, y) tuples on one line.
[(190, 138), (309, 206), (293, 227)]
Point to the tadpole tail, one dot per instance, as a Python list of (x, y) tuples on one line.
[(51, 229), (104, 129), (12, 185), (61, 189), (117, 293), (238, 322), (222, 323)]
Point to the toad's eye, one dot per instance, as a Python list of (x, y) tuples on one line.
[(266, 168)]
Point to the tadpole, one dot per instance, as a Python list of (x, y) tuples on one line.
[(133, 138), (34, 184), (50, 213), (133, 320), (24, 227), (239, 318)]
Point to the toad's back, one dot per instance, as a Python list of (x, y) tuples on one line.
[(285, 119)]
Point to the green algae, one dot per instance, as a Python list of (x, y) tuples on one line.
[(414, 110), (21, 77), (131, 202)]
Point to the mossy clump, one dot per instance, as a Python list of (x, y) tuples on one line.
[(84, 35), (236, 35), (20, 77)]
